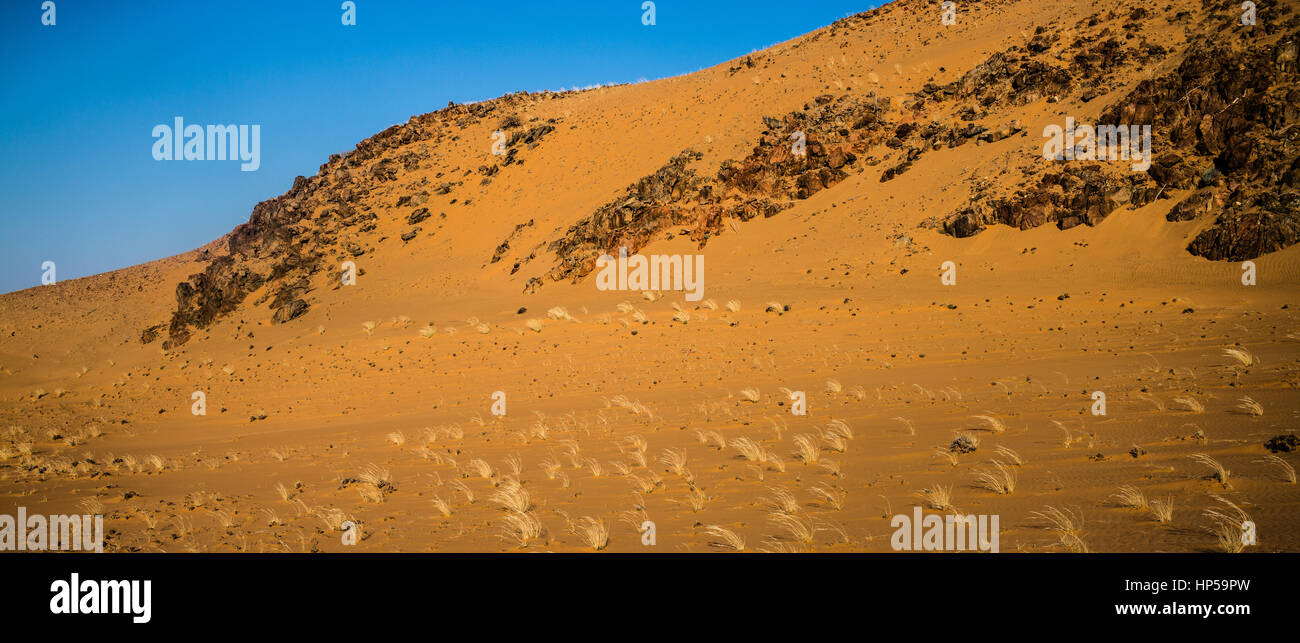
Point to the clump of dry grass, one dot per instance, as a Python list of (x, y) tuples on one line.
[(647, 484), (833, 387), (733, 306), (991, 423), (675, 460), (441, 505), (799, 531), (839, 428), (749, 449), (830, 495), (911, 430), (712, 438), (807, 448), (1249, 406), (376, 475), (938, 497), (522, 528), (1240, 356), (369, 327), (1162, 510), (534, 325), (946, 454), (1217, 471), (463, 488), (1011, 456), (1227, 524), (750, 394), (1284, 467), (513, 497), (1067, 525), (1130, 496), (92, 506), (370, 494), (696, 498), (832, 467), (331, 517), (480, 468), (724, 538), (595, 533), (782, 500), (1000, 479), (1192, 404)]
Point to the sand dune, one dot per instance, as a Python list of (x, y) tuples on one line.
[(824, 274)]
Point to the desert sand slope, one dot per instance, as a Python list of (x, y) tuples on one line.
[(372, 403)]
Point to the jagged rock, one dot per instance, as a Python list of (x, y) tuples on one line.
[(148, 335), (291, 310), (417, 216)]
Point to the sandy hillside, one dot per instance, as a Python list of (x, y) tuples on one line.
[(372, 402)]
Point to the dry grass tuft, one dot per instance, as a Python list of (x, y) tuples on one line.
[(513, 497), (1129, 496), (595, 533), (1227, 524), (1066, 525), (938, 497), (1217, 471), (1011, 456), (1284, 467), (724, 538), (749, 449), (799, 531), (991, 423), (1000, 479), (782, 500), (1162, 510), (1249, 406), (1240, 356)]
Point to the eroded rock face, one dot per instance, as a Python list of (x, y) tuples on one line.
[(1224, 125), (1229, 116), (286, 240), (835, 132), (1077, 194)]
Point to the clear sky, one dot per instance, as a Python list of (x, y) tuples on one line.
[(79, 100)]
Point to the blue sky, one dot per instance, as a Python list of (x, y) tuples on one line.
[(79, 100)]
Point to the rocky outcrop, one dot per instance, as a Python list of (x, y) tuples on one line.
[(285, 243), (1224, 125), (1229, 118), (796, 156)]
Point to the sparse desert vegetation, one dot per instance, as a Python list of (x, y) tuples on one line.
[(480, 388)]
